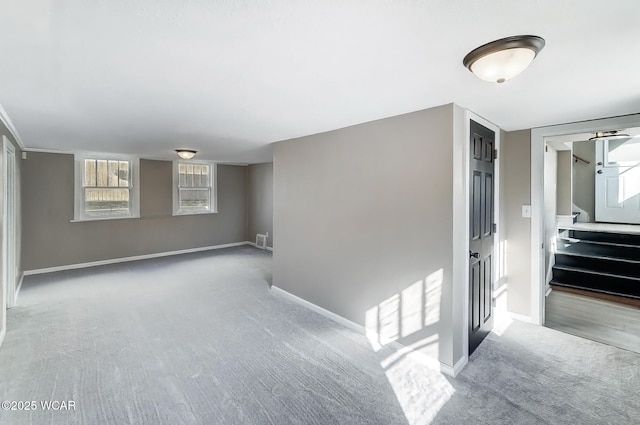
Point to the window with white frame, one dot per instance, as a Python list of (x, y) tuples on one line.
[(194, 184), (106, 187)]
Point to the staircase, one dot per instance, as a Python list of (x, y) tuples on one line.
[(600, 264)]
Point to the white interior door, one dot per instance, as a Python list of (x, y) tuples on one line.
[(618, 181)]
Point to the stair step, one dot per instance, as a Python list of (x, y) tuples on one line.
[(594, 272), (592, 255), (599, 250), (599, 264), (621, 239), (594, 242), (606, 282)]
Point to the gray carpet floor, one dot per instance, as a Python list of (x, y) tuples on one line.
[(200, 339)]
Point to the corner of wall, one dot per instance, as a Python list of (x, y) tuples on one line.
[(459, 235), (247, 210)]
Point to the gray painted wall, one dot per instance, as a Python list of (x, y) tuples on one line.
[(563, 188), (156, 188), (260, 201), (584, 184), (517, 177), (363, 218), (50, 239), (4, 131)]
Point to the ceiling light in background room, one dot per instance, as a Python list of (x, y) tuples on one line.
[(186, 153), (503, 59), (610, 135)]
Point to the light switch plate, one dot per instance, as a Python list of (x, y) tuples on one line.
[(526, 211)]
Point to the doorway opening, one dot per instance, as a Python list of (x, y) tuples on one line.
[(586, 233)]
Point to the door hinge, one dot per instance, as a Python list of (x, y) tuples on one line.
[(495, 154), (495, 227)]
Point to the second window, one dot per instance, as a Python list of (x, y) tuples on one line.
[(194, 188)]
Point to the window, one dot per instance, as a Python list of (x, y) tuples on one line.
[(105, 187), (194, 188)]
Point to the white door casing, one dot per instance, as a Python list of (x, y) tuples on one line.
[(9, 262), (462, 118)]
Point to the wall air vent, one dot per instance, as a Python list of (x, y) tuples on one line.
[(261, 241)]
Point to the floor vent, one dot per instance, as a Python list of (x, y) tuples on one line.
[(261, 241)]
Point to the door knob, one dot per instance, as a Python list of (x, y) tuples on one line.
[(599, 163), (474, 254), (599, 171)]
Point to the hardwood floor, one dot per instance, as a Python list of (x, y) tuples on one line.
[(595, 319), (634, 302)]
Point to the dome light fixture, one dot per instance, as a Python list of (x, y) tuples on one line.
[(610, 135), (186, 153), (503, 59)]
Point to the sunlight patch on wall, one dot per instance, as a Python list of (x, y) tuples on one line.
[(413, 370), (433, 297), (371, 328), (501, 322), (415, 307), (502, 259), (412, 309), (388, 321), (500, 297)]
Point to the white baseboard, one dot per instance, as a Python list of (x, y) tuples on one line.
[(520, 317), (253, 244), (126, 259), (326, 313), (457, 368), (423, 358)]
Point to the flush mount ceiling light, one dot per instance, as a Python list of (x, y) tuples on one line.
[(503, 59), (186, 153), (610, 135)]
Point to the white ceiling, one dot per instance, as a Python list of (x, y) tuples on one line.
[(229, 77)]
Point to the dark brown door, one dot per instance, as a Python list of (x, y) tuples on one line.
[(481, 234)]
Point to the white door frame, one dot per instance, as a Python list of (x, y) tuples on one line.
[(461, 203), (538, 291), (9, 245)]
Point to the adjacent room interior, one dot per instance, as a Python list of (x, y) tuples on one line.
[(319, 213)]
